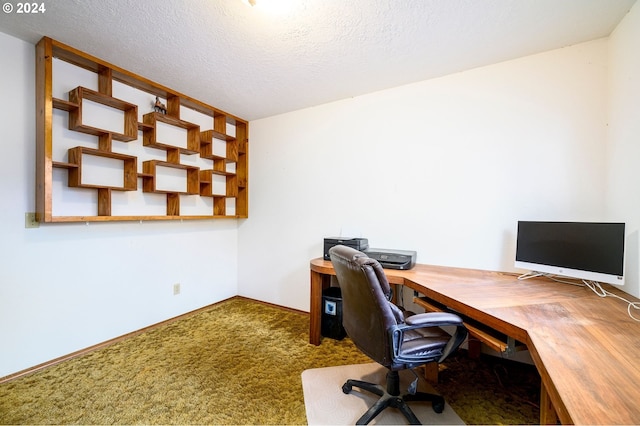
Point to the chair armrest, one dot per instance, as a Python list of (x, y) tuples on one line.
[(433, 319)]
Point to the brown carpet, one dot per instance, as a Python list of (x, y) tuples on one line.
[(238, 362)]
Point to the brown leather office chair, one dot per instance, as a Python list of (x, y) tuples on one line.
[(380, 330)]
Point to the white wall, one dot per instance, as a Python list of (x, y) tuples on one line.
[(623, 194), (445, 167), (64, 287)]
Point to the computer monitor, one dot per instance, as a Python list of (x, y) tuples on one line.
[(586, 250)]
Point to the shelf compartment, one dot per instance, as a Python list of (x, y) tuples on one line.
[(207, 138), (75, 155), (241, 136), (130, 112), (242, 202), (207, 186), (219, 135), (220, 206), (150, 177), (150, 133)]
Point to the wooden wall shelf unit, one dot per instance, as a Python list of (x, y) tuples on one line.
[(211, 158)]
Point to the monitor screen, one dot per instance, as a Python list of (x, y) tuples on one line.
[(586, 250)]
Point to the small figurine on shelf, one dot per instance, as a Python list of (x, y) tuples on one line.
[(159, 106)]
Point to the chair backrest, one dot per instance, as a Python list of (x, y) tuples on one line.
[(367, 313)]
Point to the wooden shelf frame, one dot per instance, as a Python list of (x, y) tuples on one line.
[(129, 169), (237, 145), (149, 168), (150, 132), (206, 146), (206, 184), (76, 97)]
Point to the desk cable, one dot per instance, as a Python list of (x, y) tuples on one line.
[(552, 277), (597, 289), (593, 285)]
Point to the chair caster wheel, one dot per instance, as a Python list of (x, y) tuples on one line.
[(438, 406), (346, 388)]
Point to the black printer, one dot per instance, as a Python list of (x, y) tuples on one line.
[(393, 259), (360, 244), (388, 258)]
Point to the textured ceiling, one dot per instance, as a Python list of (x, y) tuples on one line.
[(254, 62)]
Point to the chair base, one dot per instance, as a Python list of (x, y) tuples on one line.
[(391, 397)]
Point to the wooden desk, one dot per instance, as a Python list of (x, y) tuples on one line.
[(586, 348)]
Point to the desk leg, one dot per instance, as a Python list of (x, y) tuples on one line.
[(474, 347), (431, 371), (318, 283), (548, 415)]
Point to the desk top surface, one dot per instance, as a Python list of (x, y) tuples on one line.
[(586, 348)]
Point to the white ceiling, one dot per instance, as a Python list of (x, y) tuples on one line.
[(255, 63)]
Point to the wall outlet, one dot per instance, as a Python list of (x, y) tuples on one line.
[(176, 289), (30, 220)]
